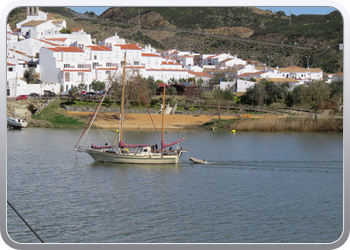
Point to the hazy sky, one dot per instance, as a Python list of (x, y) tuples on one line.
[(294, 10)]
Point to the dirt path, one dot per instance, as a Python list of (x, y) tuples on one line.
[(143, 121)]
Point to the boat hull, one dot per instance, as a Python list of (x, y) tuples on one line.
[(17, 123), (103, 156)]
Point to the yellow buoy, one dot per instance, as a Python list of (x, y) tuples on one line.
[(233, 131), (117, 131)]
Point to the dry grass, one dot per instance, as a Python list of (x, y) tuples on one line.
[(289, 124)]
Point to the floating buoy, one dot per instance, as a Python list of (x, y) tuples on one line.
[(189, 132), (117, 131), (178, 132), (141, 131), (233, 131), (129, 131), (166, 132), (224, 132), (213, 132), (202, 132)]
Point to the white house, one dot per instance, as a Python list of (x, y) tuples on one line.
[(64, 65), (198, 76), (151, 60), (39, 24), (186, 60), (166, 74), (301, 74), (232, 61), (242, 85), (110, 41)]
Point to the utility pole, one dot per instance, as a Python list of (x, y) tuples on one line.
[(307, 58), (253, 60), (290, 17)]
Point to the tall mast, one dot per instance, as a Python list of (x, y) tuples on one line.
[(163, 112), (122, 103)]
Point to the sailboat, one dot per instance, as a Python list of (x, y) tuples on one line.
[(132, 153)]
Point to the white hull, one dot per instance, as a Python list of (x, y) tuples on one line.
[(133, 158), (17, 123)]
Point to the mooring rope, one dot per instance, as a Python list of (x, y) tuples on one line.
[(25, 222)]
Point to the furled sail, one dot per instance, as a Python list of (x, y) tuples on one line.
[(170, 144), (123, 145), (100, 147)]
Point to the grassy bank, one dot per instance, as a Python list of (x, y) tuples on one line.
[(280, 124), (51, 117)]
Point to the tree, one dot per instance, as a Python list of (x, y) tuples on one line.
[(257, 93), (98, 85), (29, 75), (336, 89), (281, 13), (152, 84), (132, 91), (221, 97), (81, 87), (217, 79), (317, 93), (66, 31), (298, 95)]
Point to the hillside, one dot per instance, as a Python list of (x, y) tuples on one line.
[(238, 30)]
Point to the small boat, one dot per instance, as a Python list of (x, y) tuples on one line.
[(16, 123), (199, 161)]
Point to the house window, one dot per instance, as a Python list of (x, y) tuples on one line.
[(108, 64), (66, 57), (109, 56), (10, 69), (72, 57), (95, 56), (94, 65), (66, 87), (66, 77), (136, 63), (66, 66), (80, 66)]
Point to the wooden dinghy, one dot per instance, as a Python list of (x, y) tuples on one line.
[(200, 161)]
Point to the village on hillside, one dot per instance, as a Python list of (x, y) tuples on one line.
[(63, 60)]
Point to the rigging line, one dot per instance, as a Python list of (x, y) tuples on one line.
[(25, 222), (101, 133), (95, 112), (144, 99)]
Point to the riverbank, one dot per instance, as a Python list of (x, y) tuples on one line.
[(263, 123), (54, 116)]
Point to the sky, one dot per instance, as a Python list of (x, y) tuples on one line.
[(287, 10)]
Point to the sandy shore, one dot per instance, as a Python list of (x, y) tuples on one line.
[(143, 121)]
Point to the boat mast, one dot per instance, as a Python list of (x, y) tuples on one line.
[(122, 104), (163, 112)]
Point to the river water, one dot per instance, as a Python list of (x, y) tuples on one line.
[(257, 188)]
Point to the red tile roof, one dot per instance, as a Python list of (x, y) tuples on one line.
[(61, 39), (166, 70), (76, 70), (98, 48), (129, 46), (149, 54), (203, 74), (66, 49)]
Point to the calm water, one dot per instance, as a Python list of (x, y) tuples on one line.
[(258, 187)]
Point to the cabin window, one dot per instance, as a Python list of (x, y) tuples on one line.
[(145, 150)]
